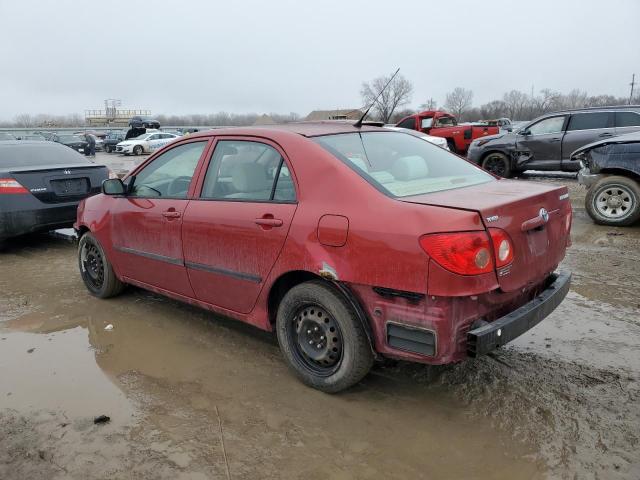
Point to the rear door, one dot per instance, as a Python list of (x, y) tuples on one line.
[(543, 144), (585, 128), (233, 234), (627, 122), (146, 223)]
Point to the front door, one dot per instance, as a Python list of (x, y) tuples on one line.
[(146, 223), (542, 145), (233, 234)]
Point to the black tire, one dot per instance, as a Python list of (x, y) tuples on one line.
[(96, 270), (452, 145), (314, 317), (137, 150), (107, 148), (498, 164), (614, 201)]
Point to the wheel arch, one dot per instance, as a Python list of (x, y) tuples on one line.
[(288, 280), (621, 172)]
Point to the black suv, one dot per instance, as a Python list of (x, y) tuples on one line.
[(547, 142), (111, 140)]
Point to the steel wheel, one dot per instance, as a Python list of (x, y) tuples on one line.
[(614, 201), (317, 339), (93, 265)]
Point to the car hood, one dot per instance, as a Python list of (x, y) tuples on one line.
[(628, 138)]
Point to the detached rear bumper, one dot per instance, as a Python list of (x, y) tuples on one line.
[(488, 337)]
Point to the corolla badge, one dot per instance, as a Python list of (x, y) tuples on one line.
[(544, 215)]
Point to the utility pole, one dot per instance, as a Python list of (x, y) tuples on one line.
[(633, 82)]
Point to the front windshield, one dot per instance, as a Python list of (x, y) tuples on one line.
[(401, 164)]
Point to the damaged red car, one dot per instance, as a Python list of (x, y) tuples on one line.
[(353, 243)]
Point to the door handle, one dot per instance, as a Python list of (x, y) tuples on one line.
[(554, 140), (267, 221), (171, 214), (606, 134)]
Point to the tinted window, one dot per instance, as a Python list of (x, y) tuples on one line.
[(39, 154), (548, 125), (169, 174), (402, 164), (242, 170), (589, 121), (408, 123), (627, 119)]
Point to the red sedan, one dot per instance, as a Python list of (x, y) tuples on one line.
[(353, 244)]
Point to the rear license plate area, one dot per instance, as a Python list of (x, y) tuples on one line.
[(70, 186)]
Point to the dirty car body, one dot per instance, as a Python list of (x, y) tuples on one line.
[(611, 172), (329, 233)]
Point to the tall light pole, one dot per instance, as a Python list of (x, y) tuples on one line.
[(633, 82)]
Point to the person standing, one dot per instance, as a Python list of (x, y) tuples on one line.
[(91, 140)]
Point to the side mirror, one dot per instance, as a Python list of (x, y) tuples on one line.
[(113, 186), (525, 132)]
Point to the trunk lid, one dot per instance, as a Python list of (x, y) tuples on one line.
[(61, 183), (516, 207)]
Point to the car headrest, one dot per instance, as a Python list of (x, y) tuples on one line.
[(249, 177), (410, 168)]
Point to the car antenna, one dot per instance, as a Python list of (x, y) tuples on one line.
[(358, 124)]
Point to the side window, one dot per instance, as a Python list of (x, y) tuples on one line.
[(408, 123), (627, 119), (153, 137), (169, 175), (284, 191), (589, 121), (548, 125), (246, 170)]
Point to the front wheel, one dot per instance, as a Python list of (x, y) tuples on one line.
[(137, 150), (498, 164), (96, 270), (321, 337), (614, 201)]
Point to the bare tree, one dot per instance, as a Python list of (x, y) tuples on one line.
[(397, 94), (516, 103), (24, 120), (459, 101), (430, 104)]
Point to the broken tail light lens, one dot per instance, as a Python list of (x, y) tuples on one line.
[(465, 253), (502, 247), (11, 186)]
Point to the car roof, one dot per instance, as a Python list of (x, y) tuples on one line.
[(596, 109), (305, 129)]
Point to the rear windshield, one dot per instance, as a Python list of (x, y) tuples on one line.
[(402, 165), (39, 154)]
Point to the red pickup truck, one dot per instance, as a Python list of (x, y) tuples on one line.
[(445, 125)]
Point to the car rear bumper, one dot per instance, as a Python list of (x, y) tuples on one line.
[(488, 337), (20, 222)]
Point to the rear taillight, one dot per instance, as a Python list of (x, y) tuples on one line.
[(466, 253), (502, 247), (11, 186)]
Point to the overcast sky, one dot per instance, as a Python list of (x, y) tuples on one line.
[(200, 56)]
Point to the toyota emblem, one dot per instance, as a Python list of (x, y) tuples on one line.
[(67, 172), (544, 215)]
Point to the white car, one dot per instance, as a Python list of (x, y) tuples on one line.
[(439, 141), (145, 143)]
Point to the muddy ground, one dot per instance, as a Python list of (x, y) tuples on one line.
[(193, 396)]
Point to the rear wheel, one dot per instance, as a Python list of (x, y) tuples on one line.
[(498, 164), (321, 338), (614, 201), (107, 148), (137, 150), (96, 270)]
